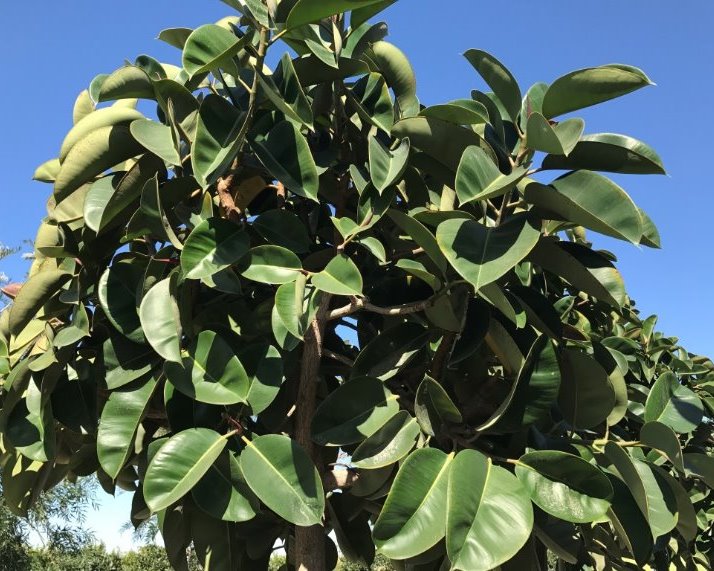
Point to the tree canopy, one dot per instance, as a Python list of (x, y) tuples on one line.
[(286, 305)]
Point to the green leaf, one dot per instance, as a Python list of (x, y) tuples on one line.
[(175, 37), (30, 425), (282, 475), (47, 171), (291, 305), (701, 466), (157, 138), (125, 361), (210, 47), (37, 291), (686, 516), (499, 79), (610, 153), (98, 151), (340, 277), (421, 236), (480, 254), (283, 228), (459, 112), (264, 365), (386, 166), (128, 82), (223, 492), (286, 154), (585, 269), (434, 408), (652, 494), (105, 117), (83, 106), (557, 139), (394, 66), (210, 372), (673, 404), (370, 96), (387, 353), (353, 412), (630, 523), (414, 514), (270, 265), (532, 394), (586, 198), (586, 395), (310, 11), (478, 177), (179, 465), (489, 515), (118, 425), (284, 91), (212, 246), (389, 444), (443, 141), (565, 486), (160, 321), (218, 138), (117, 295), (590, 86), (662, 438)]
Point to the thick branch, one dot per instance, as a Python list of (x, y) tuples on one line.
[(310, 541), (359, 303)]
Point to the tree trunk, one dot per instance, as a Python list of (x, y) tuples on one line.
[(310, 541)]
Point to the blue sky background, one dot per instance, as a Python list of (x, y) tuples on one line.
[(52, 50)]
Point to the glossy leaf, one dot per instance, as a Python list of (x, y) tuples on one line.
[(212, 246), (434, 408), (478, 177), (498, 78), (591, 86), (391, 350), (386, 166), (459, 112), (485, 505), (396, 69), (414, 514), (309, 11), (33, 295), (353, 412), (586, 395), (283, 228), (565, 486), (558, 139), (663, 439), (105, 117), (389, 444), (340, 277), (286, 154), (282, 475), (156, 138), (586, 198), (270, 265), (673, 404), (210, 372), (117, 295), (208, 48), (179, 465), (481, 255), (159, 315)]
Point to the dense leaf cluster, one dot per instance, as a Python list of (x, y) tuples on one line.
[(297, 301)]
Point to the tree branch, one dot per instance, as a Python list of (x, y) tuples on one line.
[(359, 303)]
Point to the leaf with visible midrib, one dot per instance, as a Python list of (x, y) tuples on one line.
[(212, 246), (282, 475), (179, 464)]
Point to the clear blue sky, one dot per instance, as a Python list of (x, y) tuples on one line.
[(53, 49)]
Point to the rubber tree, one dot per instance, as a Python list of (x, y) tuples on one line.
[(288, 305)]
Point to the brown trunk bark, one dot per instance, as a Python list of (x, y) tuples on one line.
[(310, 541)]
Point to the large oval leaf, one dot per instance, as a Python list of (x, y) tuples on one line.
[(119, 422), (586, 395), (486, 504), (310, 11), (499, 79), (565, 486), (353, 412), (286, 154), (588, 199), (386, 166), (478, 177), (212, 246), (210, 372), (33, 295), (414, 514), (157, 138), (210, 47), (480, 254), (117, 291), (389, 444), (282, 475), (160, 320), (105, 117), (92, 155), (610, 153), (434, 408), (270, 265), (673, 404), (391, 350), (179, 464), (590, 86), (340, 277), (394, 66), (223, 492)]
